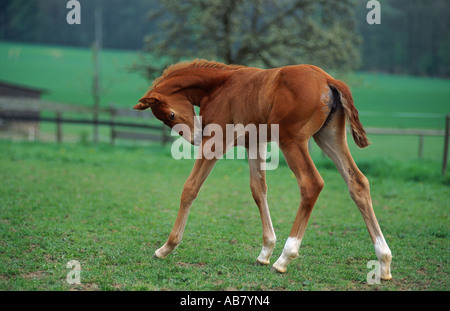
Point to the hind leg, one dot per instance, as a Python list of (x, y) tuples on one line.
[(332, 140), (311, 184)]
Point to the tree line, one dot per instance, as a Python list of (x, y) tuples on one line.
[(412, 38)]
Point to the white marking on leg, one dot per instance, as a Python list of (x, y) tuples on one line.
[(270, 238), (259, 188), (290, 252), (266, 252), (162, 252), (384, 257)]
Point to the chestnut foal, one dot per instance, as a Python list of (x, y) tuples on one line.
[(304, 101)]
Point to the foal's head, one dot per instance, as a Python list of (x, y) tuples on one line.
[(170, 109), (174, 93)]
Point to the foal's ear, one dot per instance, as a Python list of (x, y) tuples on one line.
[(145, 103)]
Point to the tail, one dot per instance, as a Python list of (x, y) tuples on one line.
[(358, 132)]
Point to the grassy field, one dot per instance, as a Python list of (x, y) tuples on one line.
[(110, 207), (400, 101), (66, 73)]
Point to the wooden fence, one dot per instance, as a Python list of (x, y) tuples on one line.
[(421, 134), (120, 120), (408, 132), (155, 132)]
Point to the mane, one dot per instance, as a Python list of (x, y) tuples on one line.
[(196, 63)]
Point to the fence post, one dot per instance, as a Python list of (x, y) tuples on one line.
[(446, 137), (420, 154), (58, 127), (113, 130), (165, 136)]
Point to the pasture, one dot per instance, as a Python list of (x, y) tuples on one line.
[(111, 207)]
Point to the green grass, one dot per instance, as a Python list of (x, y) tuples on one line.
[(67, 73), (111, 207), (401, 101)]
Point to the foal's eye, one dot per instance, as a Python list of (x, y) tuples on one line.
[(172, 115)]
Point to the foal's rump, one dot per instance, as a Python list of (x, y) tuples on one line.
[(345, 101)]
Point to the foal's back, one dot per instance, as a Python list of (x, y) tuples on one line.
[(285, 95)]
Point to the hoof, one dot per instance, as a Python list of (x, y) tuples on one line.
[(385, 269), (155, 256), (386, 277), (158, 255), (261, 263), (278, 269)]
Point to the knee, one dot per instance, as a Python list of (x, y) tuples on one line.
[(189, 194), (311, 189), (259, 189), (319, 184)]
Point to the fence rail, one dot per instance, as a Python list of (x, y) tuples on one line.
[(413, 132), (409, 132), (76, 121), (14, 109), (34, 105)]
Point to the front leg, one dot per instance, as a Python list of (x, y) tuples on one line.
[(200, 171), (259, 192)]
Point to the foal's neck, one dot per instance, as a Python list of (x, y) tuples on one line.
[(199, 84)]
